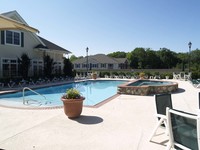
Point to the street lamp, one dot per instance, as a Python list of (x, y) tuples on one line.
[(190, 45), (87, 58)]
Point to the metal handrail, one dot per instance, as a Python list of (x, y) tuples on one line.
[(27, 88)]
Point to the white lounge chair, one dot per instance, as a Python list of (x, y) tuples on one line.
[(176, 76), (11, 84), (23, 83), (188, 76), (1, 84)]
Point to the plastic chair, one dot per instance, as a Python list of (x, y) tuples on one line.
[(183, 130), (162, 102)]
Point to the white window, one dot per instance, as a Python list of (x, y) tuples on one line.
[(84, 65), (94, 65), (9, 67), (37, 67), (58, 68), (12, 37), (77, 65), (103, 65)]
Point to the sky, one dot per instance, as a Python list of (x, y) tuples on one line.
[(107, 26)]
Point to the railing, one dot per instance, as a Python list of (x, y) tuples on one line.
[(27, 88)]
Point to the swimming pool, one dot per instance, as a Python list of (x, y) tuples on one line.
[(95, 91)]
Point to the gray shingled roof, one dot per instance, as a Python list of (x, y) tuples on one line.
[(100, 58), (120, 60), (50, 45)]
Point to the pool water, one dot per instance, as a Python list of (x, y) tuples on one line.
[(149, 82), (147, 87), (94, 91)]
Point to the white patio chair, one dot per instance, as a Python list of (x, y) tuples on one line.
[(151, 77), (1, 84), (176, 76), (188, 76), (157, 77), (11, 84), (106, 76), (162, 102), (31, 82), (23, 83), (183, 130)]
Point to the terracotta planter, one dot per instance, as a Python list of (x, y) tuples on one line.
[(142, 78), (73, 108)]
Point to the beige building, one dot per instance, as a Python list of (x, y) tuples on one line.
[(100, 62), (13, 43)]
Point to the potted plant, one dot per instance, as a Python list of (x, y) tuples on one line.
[(73, 103), (142, 74), (94, 75)]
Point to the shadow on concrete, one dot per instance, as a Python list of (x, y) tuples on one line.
[(179, 90), (88, 119)]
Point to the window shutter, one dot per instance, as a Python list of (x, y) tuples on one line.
[(22, 39), (2, 38)]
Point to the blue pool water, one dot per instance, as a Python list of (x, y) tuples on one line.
[(149, 82), (94, 91)]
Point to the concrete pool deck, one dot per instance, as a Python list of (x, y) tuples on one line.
[(125, 122)]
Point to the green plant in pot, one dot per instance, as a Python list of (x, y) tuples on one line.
[(73, 103), (142, 75), (94, 75)]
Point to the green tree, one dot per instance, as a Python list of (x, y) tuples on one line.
[(24, 65), (67, 67), (133, 60), (117, 54), (73, 58), (195, 56), (168, 58), (195, 60), (152, 60), (140, 54), (182, 61), (48, 66)]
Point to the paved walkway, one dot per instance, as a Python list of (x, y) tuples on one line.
[(125, 123)]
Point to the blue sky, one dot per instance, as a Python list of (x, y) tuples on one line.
[(107, 26)]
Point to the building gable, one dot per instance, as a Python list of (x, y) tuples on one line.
[(15, 16)]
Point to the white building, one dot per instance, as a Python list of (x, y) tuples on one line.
[(100, 62), (13, 43)]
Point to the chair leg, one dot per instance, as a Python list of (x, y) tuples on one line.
[(168, 146), (166, 126), (157, 126)]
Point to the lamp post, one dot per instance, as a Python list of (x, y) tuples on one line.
[(87, 58), (190, 45)]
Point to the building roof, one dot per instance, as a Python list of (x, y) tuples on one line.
[(51, 46), (12, 20), (100, 58), (44, 44)]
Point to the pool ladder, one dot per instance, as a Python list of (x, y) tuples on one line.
[(27, 88)]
